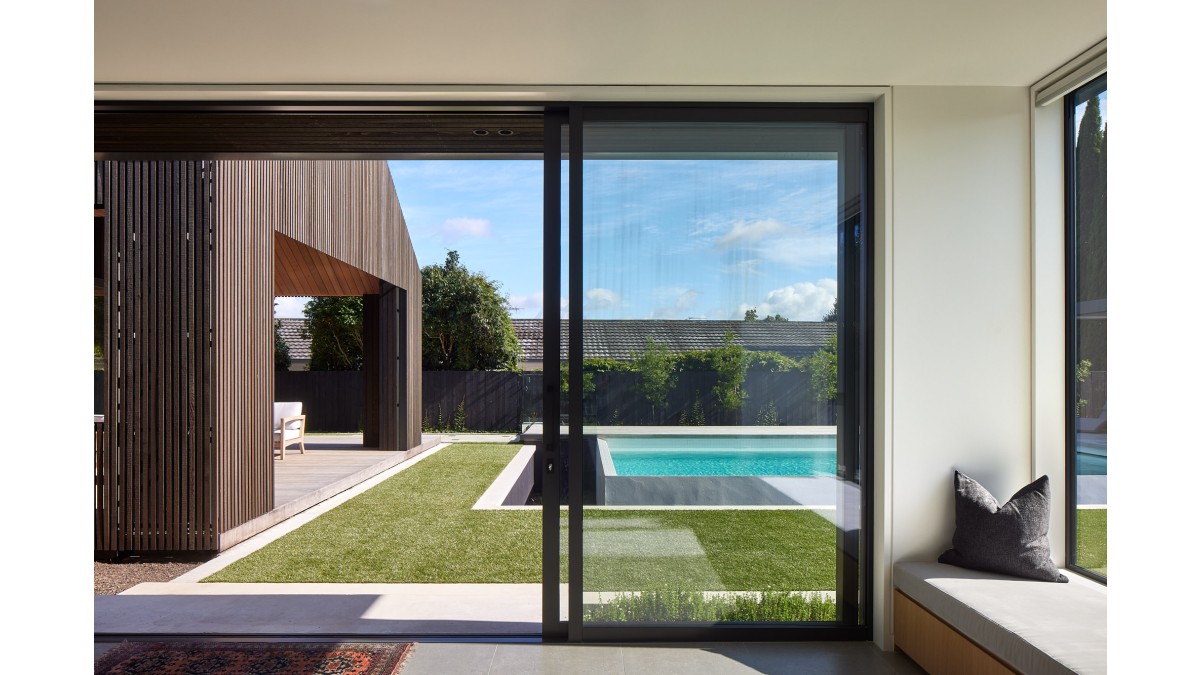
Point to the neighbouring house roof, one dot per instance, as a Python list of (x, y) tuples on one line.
[(624, 340), (299, 348)]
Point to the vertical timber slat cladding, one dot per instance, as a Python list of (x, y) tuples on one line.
[(153, 324), (190, 256), (243, 343), (341, 232)]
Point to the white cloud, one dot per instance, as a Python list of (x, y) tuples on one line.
[(682, 303), (290, 308), (601, 298), (526, 306), (742, 232), (745, 268), (457, 228), (804, 301)]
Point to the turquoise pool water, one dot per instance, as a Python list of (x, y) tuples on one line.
[(723, 455), (1091, 458)]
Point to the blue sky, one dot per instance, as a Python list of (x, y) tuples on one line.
[(663, 238)]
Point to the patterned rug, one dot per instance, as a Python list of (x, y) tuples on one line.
[(254, 658)]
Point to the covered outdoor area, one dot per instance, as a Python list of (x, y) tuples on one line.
[(189, 258)]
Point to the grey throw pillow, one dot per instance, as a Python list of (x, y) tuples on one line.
[(1010, 539)]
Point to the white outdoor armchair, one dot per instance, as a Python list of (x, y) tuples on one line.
[(288, 429)]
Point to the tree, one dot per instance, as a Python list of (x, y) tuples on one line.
[(752, 315), (465, 323), (335, 327), (822, 370), (283, 355), (833, 312), (657, 369), (1091, 223), (730, 363)]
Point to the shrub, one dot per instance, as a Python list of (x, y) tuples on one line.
[(679, 605)]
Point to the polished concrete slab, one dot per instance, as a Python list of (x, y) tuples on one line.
[(720, 658), (321, 609)]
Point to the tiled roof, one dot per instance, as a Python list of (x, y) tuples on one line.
[(298, 347), (625, 340)]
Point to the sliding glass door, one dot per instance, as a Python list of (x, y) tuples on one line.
[(716, 372)]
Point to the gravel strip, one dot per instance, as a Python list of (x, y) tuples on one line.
[(112, 578)]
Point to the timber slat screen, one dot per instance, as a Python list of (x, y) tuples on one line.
[(190, 249), (159, 414)]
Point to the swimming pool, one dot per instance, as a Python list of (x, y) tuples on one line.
[(758, 469), (1091, 457), (723, 455)]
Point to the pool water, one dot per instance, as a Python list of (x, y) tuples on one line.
[(1091, 458), (724, 455)]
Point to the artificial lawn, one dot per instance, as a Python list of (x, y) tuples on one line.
[(418, 527), (1091, 543)]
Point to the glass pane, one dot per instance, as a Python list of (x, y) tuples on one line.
[(718, 482), (1090, 318)]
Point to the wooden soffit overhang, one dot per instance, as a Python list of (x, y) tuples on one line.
[(301, 270)]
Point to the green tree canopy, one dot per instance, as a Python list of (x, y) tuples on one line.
[(335, 327), (832, 315), (822, 368), (283, 355), (752, 315), (465, 323), (730, 363), (657, 368)]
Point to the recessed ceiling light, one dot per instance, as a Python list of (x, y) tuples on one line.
[(481, 132), (505, 132)]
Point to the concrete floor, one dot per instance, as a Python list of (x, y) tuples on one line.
[(720, 658)]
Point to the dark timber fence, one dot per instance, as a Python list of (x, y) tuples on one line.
[(333, 399), (503, 401)]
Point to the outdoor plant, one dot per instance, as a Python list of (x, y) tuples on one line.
[(335, 332), (768, 416), (460, 416), (464, 320), (729, 362), (695, 418), (684, 605), (1083, 370), (283, 355), (658, 377), (822, 369)]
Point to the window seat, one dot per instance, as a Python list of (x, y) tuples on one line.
[(954, 620)]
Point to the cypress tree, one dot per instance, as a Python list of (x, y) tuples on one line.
[(1091, 208)]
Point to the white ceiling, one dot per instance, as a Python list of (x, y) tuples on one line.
[(602, 42)]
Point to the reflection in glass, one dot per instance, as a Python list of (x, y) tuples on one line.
[(720, 483), (1090, 323)]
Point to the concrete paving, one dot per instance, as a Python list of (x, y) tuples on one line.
[(322, 609)]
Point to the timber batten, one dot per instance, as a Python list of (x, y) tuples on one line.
[(190, 260)]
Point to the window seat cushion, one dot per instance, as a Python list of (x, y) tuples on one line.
[(1036, 627)]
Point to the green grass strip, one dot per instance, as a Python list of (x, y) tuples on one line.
[(418, 527), (1091, 542)]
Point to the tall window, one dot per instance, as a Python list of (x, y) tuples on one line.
[(1087, 323)]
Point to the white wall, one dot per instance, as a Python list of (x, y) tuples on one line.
[(959, 318)]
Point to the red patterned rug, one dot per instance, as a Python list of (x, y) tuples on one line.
[(254, 658)]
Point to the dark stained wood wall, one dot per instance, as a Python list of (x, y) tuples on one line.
[(160, 465), (348, 211), (185, 453), (243, 243)]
